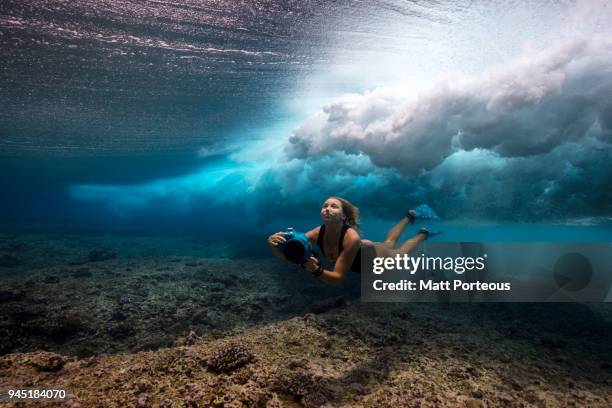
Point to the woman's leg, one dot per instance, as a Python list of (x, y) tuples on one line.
[(380, 248), (396, 232), (412, 243), (385, 249)]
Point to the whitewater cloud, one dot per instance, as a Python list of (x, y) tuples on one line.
[(530, 141), (527, 108)]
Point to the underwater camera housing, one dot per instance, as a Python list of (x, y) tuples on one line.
[(297, 246)]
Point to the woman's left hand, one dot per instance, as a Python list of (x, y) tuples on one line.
[(312, 264)]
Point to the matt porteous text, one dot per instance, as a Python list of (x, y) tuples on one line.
[(459, 265)]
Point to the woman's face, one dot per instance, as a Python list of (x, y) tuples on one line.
[(332, 211)]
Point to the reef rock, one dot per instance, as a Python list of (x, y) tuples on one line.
[(229, 357), (45, 361), (305, 388)]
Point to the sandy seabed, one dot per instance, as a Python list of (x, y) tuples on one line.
[(174, 322)]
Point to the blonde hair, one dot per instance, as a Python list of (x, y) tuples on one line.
[(350, 211)]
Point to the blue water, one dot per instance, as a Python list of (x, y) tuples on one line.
[(239, 120), (466, 232), (152, 147)]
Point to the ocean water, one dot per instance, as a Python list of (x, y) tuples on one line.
[(151, 148), (205, 117)]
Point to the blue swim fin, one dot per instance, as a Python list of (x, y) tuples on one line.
[(424, 212)]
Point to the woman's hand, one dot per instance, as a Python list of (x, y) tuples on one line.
[(277, 239), (312, 264)]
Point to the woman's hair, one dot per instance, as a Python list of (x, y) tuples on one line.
[(350, 211)]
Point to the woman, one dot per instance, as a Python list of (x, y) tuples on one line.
[(340, 243)]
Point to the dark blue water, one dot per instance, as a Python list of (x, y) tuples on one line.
[(241, 118)]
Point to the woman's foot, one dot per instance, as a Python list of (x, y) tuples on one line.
[(428, 233), (411, 215)]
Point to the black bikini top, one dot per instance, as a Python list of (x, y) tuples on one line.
[(345, 227)]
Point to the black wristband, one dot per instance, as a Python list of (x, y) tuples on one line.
[(318, 272)]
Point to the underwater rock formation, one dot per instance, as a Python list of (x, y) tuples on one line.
[(44, 361), (335, 360), (229, 357), (302, 386), (101, 317)]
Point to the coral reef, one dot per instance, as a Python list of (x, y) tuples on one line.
[(88, 295), (145, 330), (44, 361), (302, 386), (335, 360), (229, 357)]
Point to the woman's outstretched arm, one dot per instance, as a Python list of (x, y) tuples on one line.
[(351, 245)]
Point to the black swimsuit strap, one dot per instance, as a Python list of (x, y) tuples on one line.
[(320, 239), (320, 242)]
